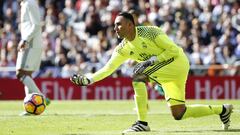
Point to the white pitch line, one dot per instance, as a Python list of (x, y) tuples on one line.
[(236, 111)]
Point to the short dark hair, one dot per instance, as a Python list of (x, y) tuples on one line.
[(134, 12), (127, 15)]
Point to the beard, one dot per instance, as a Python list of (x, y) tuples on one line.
[(119, 36)]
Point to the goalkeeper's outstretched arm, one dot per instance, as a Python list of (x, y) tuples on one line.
[(115, 61)]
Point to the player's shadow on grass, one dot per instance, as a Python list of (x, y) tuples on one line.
[(230, 130), (202, 131)]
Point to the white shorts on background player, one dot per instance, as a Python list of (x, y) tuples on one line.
[(29, 59)]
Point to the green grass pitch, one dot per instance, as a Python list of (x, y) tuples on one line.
[(109, 118)]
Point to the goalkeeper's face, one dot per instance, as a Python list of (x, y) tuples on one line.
[(121, 26)]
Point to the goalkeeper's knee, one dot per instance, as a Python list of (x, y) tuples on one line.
[(140, 78), (178, 111)]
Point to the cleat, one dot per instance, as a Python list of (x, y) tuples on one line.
[(225, 115), (25, 114), (137, 127), (48, 101)]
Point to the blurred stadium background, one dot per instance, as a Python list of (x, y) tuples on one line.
[(78, 36)]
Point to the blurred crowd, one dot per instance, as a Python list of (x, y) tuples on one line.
[(78, 35)]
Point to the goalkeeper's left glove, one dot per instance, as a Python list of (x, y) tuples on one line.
[(80, 80), (140, 67)]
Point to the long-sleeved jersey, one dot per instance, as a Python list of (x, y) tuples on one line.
[(149, 41), (31, 23)]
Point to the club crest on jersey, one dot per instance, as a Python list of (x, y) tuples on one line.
[(131, 53), (144, 45)]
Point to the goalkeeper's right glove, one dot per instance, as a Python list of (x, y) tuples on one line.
[(80, 80)]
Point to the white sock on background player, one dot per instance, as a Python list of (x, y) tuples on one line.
[(30, 84)]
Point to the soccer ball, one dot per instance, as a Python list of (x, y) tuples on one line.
[(34, 103)]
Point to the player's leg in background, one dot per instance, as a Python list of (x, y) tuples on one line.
[(28, 61), (26, 79), (29, 85)]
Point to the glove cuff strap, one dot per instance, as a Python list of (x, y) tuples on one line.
[(89, 77), (153, 59)]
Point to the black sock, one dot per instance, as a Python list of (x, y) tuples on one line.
[(143, 122)]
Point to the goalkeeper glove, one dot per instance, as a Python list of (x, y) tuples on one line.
[(80, 80), (140, 67)]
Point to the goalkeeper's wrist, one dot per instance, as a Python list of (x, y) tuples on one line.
[(89, 77), (153, 60)]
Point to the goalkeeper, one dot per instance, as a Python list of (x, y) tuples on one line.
[(160, 60)]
